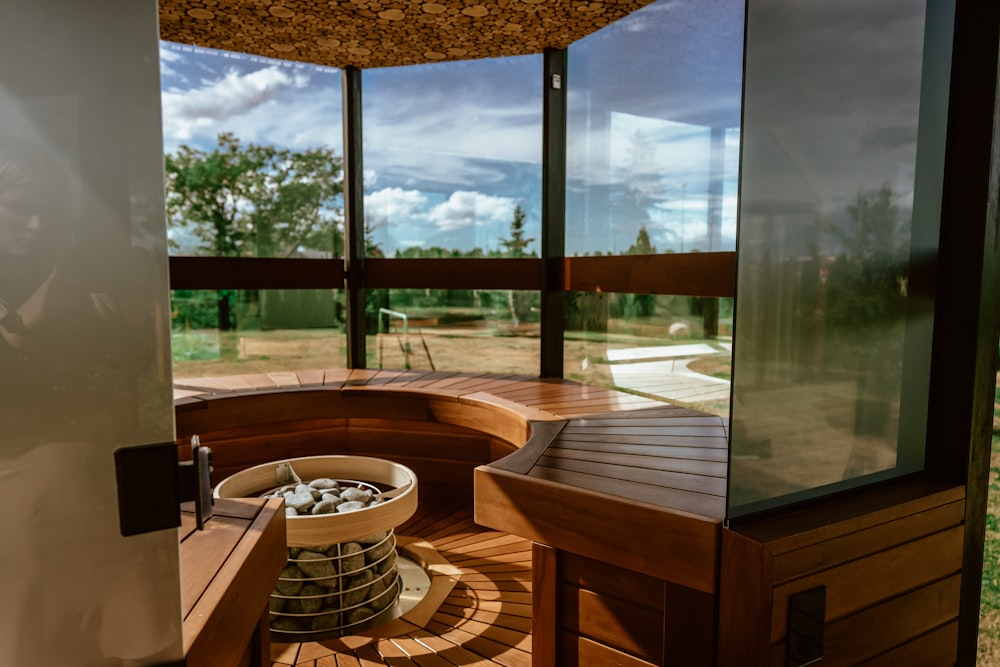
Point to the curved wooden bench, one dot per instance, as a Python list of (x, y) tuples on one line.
[(617, 491), (442, 425)]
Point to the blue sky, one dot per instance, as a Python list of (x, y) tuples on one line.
[(451, 148), (449, 152)]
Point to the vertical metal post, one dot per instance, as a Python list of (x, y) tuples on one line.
[(553, 213), (354, 219), (964, 357)]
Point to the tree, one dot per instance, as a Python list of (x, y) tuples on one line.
[(515, 246), (518, 304), (255, 201), (641, 187), (639, 305), (258, 201), (866, 302), (642, 245)]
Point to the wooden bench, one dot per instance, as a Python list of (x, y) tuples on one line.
[(227, 573), (622, 498), (615, 489)]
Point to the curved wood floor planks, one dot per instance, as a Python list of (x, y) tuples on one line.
[(484, 620)]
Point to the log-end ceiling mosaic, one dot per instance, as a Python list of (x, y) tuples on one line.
[(370, 33)]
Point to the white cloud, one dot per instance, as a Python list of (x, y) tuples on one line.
[(231, 95), (395, 205), (462, 128), (168, 56), (464, 209)]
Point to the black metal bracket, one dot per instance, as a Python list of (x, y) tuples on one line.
[(152, 484), (194, 481)]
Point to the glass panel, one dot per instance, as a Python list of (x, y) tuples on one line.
[(254, 155), (653, 119), (233, 332), (487, 331), (84, 353), (840, 207), (676, 349), (452, 155)]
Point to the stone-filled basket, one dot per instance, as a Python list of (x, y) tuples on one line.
[(341, 571)]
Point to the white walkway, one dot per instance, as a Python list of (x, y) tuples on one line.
[(662, 372)]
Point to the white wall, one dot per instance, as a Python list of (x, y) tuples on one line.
[(83, 261)]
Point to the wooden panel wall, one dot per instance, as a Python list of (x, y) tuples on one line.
[(890, 561), (442, 456), (602, 614)]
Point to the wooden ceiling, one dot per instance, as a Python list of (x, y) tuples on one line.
[(386, 33)]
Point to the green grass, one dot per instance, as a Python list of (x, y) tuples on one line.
[(991, 554), (989, 620)]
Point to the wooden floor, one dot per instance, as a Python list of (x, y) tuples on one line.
[(485, 620)]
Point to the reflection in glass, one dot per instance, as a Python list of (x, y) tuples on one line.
[(485, 331), (672, 348), (268, 331), (84, 354), (253, 155), (837, 198), (655, 151), (452, 156)]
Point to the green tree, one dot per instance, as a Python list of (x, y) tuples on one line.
[(255, 201), (515, 246), (866, 302), (642, 245), (519, 304), (639, 305)]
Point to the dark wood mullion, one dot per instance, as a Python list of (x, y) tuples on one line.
[(553, 213), (964, 356), (354, 227)]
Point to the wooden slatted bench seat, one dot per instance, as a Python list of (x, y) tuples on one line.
[(618, 492), (227, 572)]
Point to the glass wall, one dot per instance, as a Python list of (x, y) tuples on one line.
[(260, 331), (254, 151), (676, 349), (653, 116), (843, 141), (452, 157), (483, 331)]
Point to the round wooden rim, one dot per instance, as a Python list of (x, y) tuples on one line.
[(309, 530)]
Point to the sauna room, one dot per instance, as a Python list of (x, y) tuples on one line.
[(497, 332)]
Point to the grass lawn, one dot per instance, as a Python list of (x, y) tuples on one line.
[(989, 622)]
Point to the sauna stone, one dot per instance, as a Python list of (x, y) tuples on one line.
[(316, 565), (352, 558), (289, 581), (351, 506)]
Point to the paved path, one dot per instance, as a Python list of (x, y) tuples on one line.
[(662, 372)]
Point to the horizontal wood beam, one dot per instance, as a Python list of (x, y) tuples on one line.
[(457, 273), (708, 274), (212, 273)]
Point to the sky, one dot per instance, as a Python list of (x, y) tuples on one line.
[(450, 149)]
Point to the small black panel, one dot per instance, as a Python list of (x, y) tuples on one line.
[(148, 496), (806, 619)]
